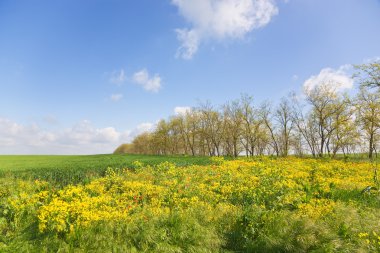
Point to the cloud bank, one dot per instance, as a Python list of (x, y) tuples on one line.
[(220, 20), (82, 138)]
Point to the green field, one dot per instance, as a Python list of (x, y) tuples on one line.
[(32, 162), (72, 169)]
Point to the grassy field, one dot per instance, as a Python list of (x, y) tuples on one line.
[(72, 169), (185, 204), (42, 162)]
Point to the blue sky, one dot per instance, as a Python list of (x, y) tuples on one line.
[(81, 76)]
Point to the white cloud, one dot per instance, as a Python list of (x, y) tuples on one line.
[(116, 97), (85, 133), (339, 79), (143, 127), (149, 83), (220, 20), (182, 110), (295, 77), (190, 40), (14, 134), (82, 138), (118, 77), (372, 59)]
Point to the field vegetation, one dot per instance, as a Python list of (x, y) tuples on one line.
[(258, 204), (72, 169)]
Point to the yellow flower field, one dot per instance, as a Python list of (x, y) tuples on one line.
[(244, 205)]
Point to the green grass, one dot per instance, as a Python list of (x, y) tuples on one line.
[(40, 162), (72, 169)]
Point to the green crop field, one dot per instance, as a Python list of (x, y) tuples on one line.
[(41, 162), (72, 169)]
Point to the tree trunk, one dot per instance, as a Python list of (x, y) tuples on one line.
[(370, 151)]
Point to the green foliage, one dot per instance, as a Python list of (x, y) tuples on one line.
[(123, 149), (176, 233)]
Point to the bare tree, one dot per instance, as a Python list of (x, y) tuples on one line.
[(327, 122), (305, 127), (161, 138), (192, 129), (368, 74), (267, 118), (247, 131), (254, 135), (212, 128), (233, 121), (283, 118), (324, 101), (368, 116), (345, 132)]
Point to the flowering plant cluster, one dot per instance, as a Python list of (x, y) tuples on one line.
[(240, 199)]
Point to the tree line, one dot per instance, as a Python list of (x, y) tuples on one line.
[(323, 122)]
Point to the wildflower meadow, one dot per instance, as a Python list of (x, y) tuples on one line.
[(258, 204)]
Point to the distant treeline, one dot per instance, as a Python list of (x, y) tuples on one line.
[(322, 122)]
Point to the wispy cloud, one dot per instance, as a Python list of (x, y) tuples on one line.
[(149, 83), (116, 97), (220, 20), (372, 59), (182, 110), (143, 127), (118, 77)]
